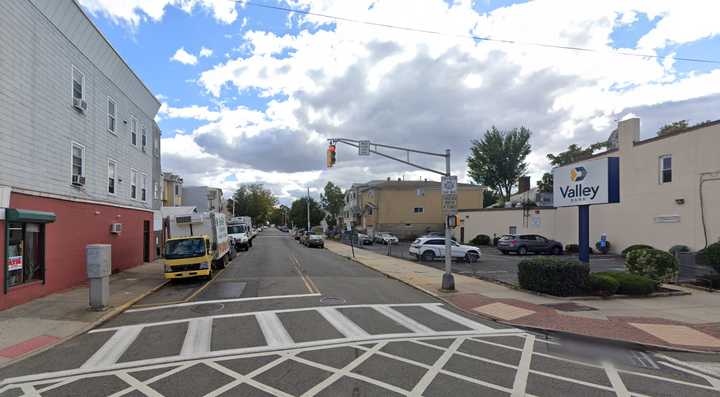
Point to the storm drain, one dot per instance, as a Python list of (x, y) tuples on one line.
[(332, 300), (569, 307), (208, 308)]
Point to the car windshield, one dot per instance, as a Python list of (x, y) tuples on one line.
[(236, 229), (507, 237), (315, 236), (189, 248)]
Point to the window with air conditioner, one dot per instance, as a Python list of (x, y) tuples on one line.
[(133, 130), (77, 164), (112, 177), (111, 115), (133, 184), (143, 187)]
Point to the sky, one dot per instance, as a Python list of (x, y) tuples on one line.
[(251, 94)]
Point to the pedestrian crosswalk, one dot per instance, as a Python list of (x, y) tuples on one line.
[(200, 331)]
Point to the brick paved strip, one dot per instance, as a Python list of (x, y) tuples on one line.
[(27, 346)]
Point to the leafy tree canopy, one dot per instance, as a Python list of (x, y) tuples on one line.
[(332, 201), (298, 213), (252, 200)]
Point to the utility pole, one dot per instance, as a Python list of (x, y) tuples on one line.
[(308, 208), (364, 149)]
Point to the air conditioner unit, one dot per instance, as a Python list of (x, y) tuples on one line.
[(78, 180), (116, 228), (79, 104)]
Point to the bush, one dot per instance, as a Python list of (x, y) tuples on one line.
[(676, 249), (481, 239), (602, 284), (635, 247), (658, 265), (710, 256), (631, 284), (603, 250), (553, 276), (574, 249), (710, 280)]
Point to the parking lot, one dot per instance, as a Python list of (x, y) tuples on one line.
[(493, 265)]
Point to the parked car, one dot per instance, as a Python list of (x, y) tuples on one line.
[(298, 233), (314, 240), (522, 244), (430, 248), (386, 238), (363, 239)]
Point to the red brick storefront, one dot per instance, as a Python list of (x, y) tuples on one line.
[(76, 225)]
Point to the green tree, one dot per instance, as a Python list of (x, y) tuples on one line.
[(672, 127), (332, 202), (489, 198), (575, 153), (252, 200), (298, 213), (545, 185), (278, 214), (498, 160)]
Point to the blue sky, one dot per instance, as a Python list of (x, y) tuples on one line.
[(259, 108)]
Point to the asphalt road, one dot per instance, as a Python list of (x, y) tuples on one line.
[(288, 320)]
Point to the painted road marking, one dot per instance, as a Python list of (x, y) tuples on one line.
[(255, 298), (197, 337), (615, 380), (114, 348), (341, 323), (273, 330), (523, 367), (437, 309), (403, 320)]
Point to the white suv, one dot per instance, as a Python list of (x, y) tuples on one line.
[(430, 248), (386, 238)]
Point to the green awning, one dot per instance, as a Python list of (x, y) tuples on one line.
[(16, 215)]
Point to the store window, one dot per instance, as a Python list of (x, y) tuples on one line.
[(25, 253)]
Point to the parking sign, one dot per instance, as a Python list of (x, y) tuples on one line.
[(448, 185)]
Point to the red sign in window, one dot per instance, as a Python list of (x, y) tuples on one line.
[(15, 263)]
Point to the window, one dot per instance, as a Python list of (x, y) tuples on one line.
[(418, 210), (78, 84), (111, 115), (177, 189), (133, 130), (78, 160), (156, 144), (112, 176), (143, 187), (144, 138), (436, 242), (25, 254), (666, 168), (369, 211), (133, 184), (512, 230)]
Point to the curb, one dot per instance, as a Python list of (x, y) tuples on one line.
[(105, 318), (616, 342)]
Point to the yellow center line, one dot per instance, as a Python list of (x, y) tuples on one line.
[(309, 284)]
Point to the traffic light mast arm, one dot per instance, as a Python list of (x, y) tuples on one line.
[(355, 143)]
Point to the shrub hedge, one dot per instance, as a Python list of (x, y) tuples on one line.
[(656, 264), (602, 284), (631, 284), (635, 247), (481, 239), (710, 256), (553, 276)]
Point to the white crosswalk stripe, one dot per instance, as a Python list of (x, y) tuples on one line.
[(198, 336)]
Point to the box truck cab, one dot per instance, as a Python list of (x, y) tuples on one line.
[(197, 246), (241, 232)]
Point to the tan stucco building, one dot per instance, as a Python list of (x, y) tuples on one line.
[(404, 208), (172, 191), (669, 194)]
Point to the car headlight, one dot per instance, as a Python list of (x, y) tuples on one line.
[(204, 266)]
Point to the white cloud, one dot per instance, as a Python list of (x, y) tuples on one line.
[(436, 92), (190, 112), (184, 57), (133, 12), (205, 52)]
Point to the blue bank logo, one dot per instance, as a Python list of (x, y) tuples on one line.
[(577, 174)]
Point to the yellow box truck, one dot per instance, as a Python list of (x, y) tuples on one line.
[(198, 245)]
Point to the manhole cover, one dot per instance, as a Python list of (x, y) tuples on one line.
[(208, 308), (569, 307), (331, 300)]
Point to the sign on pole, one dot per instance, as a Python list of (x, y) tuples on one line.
[(449, 202), (364, 148), (587, 183), (448, 185)]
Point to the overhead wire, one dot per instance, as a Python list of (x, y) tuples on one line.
[(476, 37)]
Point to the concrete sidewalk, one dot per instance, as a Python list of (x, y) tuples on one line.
[(45, 322), (690, 322)]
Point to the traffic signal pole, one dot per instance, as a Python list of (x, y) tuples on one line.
[(448, 281)]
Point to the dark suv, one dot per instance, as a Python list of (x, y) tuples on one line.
[(522, 244)]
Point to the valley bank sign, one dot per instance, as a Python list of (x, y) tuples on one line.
[(587, 183)]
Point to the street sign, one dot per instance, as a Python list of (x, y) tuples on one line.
[(364, 148), (448, 185), (449, 202)]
